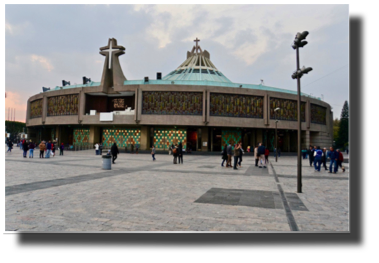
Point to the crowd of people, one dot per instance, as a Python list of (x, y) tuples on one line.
[(46, 149), (318, 158)]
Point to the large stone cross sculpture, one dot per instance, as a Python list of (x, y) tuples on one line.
[(196, 40)]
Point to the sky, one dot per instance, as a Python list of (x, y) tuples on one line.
[(45, 44)]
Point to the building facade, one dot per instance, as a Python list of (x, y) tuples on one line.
[(195, 104)]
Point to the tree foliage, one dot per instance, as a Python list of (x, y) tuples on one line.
[(14, 127), (343, 132), (336, 128)]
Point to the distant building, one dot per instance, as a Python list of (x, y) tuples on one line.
[(195, 104)]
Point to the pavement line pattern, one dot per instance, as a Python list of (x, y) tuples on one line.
[(287, 209), (314, 177), (22, 188)]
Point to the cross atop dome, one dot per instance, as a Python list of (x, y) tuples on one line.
[(196, 40), (112, 47)]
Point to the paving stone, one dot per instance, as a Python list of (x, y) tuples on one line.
[(72, 193)]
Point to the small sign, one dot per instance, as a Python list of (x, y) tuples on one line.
[(205, 143)]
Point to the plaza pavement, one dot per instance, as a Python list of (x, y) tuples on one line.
[(72, 193)]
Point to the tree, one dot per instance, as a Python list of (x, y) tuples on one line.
[(336, 128), (343, 133)]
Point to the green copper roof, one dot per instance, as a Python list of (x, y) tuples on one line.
[(213, 83)]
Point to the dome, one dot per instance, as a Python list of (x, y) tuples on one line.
[(197, 66)]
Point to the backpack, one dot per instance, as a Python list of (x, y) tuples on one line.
[(267, 152), (174, 150), (340, 157)]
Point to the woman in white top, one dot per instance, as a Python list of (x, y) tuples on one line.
[(97, 148)]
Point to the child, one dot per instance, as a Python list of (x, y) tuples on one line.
[(267, 152)]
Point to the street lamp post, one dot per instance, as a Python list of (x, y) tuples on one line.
[(276, 135), (299, 42)]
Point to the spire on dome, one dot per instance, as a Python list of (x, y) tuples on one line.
[(197, 66)]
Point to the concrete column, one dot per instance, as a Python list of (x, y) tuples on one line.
[(44, 109), (259, 136), (82, 106), (145, 138), (307, 139), (204, 138), (265, 110), (94, 134), (27, 112), (308, 114), (204, 106)]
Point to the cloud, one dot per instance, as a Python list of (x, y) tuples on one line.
[(16, 29), (43, 61)]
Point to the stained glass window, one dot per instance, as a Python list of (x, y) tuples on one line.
[(36, 109), (288, 110), (318, 114), (230, 105), (63, 105), (172, 103)]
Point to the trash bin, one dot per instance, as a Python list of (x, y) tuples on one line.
[(107, 162)]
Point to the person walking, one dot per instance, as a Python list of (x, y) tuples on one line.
[(21, 141), (240, 156), (317, 159), (311, 155), (10, 146), (101, 149), (267, 152), (53, 148), (323, 159), (25, 148), (229, 152), (136, 148), (256, 156), (304, 153), (236, 156), (42, 147), (261, 154), (97, 149), (333, 156), (180, 152), (224, 156), (31, 149), (175, 153), (48, 149), (61, 149), (153, 152), (340, 160), (114, 150)]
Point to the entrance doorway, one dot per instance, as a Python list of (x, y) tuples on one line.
[(191, 139), (217, 140)]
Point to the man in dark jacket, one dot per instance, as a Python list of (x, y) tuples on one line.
[(180, 152), (10, 145), (236, 155), (333, 155), (48, 149), (25, 148), (261, 154), (311, 155), (323, 159), (229, 152), (114, 151), (31, 149), (224, 155)]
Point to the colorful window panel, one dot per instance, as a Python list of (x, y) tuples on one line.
[(288, 110), (122, 137), (230, 105), (164, 138), (36, 109), (230, 136), (318, 114), (172, 103), (81, 137), (63, 105)]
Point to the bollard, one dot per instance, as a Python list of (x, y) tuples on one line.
[(107, 162)]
